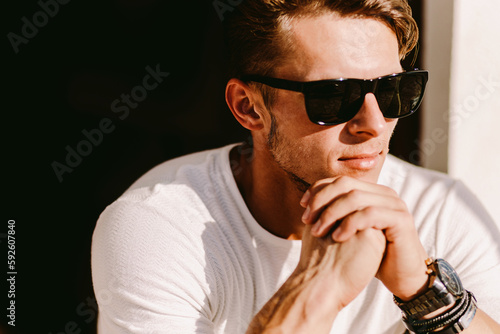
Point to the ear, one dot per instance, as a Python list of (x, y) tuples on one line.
[(241, 99)]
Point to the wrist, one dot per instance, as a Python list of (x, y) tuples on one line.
[(445, 307), (318, 299), (443, 289), (414, 289)]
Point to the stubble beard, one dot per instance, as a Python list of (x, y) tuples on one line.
[(278, 148)]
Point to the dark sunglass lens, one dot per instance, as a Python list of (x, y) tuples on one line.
[(323, 110), (388, 96), (400, 95), (333, 103), (412, 91), (324, 101)]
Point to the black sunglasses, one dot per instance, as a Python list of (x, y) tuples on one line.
[(336, 101)]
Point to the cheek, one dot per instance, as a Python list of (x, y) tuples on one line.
[(290, 112), (307, 139), (315, 152)]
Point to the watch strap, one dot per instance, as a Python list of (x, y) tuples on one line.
[(426, 303), (435, 298)]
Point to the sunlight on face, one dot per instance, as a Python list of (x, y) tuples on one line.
[(328, 47)]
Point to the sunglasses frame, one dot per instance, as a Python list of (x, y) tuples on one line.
[(311, 87)]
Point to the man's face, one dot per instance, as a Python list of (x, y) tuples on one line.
[(330, 47)]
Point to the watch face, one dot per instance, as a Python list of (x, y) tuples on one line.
[(449, 277)]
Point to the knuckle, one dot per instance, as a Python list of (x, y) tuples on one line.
[(407, 216), (403, 206), (343, 181), (391, 191), (371, 211), (316, 184), (370, 232), (349, 222), (375, 236), (328, 212), (328, 217), (314, 203), (372, 235), (355, 195), (322, 183)]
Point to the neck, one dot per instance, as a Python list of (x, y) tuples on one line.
[(270, 195)]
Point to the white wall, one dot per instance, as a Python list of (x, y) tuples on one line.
[(462, 53)]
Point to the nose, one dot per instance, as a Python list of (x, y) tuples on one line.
[(369, 121)]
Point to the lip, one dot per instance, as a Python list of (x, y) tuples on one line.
[(365, 161)]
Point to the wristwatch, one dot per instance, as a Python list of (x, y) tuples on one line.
[(445, 288)]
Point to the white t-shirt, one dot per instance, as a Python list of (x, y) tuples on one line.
[(179, 252)]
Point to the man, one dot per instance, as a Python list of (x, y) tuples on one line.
[(311, 227)]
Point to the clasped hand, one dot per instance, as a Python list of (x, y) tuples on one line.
[(343, 206)]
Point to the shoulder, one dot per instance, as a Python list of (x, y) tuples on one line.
[(184, 208), (177, 237), (172, 195), (175, 190), (170, 171)]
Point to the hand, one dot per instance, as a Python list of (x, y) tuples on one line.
[(328, 277), (345, 206), (346, 267)]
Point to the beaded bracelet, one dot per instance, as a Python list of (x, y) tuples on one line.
[(455, 311), (466, 304), (453, 318)]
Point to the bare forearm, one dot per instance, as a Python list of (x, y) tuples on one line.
[(297, 307)]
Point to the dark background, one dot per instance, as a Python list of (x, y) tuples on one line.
[(62, 82)]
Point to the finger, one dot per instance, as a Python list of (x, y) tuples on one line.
[(344, 184), (354, 200), (325, 192), (393, 222), (314, 188)]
